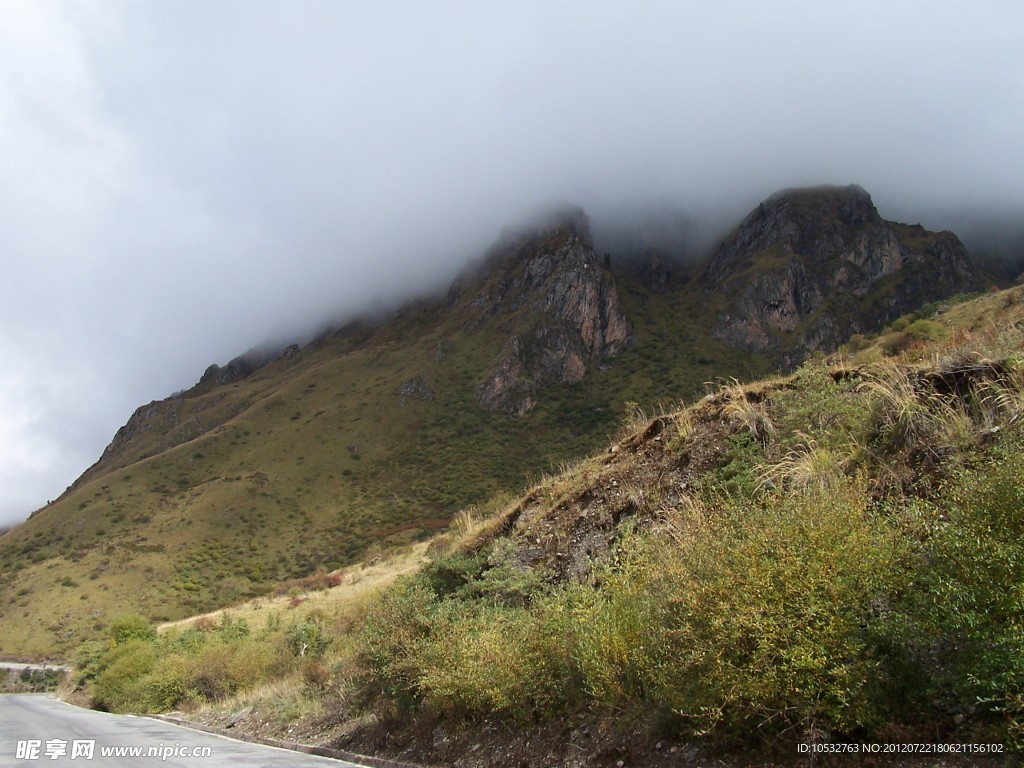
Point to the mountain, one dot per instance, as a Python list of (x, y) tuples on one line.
[(561, 308), (834, 551), (810, 267), (376, 433)]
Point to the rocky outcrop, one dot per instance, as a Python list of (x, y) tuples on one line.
[(159, 426), (164, 424), (162, 417), (810, 267), (235, 370), (552, 294), (243, 366), (508, 385), (415, 389)]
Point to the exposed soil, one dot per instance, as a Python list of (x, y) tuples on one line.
[(565, 531)]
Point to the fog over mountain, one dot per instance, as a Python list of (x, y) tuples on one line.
[(182, 181)]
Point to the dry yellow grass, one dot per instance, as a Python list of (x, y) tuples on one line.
[(749, 413), (358, 583), (285, 693)]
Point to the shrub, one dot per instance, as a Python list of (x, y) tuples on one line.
[(757, 621), (131, 627), (88, 657), (893, 344), (503, 661), (830, 412), (170, 683), (927, 330), (121, 686), (307, 638), (232, 629), (212, 677), (316, 675), (450, 573), (968, 610), (397, 626)]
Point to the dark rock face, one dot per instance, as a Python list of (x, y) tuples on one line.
[(560, 307), (810, 267), (655, 271), (235, 370)]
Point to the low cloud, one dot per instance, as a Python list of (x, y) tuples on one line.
[(183, 181)]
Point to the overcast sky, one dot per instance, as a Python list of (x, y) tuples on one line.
[(182, 180)]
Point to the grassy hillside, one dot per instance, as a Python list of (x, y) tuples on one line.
[(829, 555), (373, 436), (223, 491), (832, 555)]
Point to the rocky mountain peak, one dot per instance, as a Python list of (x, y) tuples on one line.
[(815, 223), (806, 268), (556, 299)]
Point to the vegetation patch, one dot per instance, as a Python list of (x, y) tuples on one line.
[(807, 588)]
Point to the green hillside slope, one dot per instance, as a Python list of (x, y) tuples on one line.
[(371, 436), (829, 556)]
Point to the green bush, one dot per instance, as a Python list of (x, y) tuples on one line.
[(503, 661), (231, 629), (131, 627), (450, 573), (968, 609), (470, 634), (120, 685), (831, 412), (308, 638), (397, 626), (170, 683), (757, 621), (221, 669), (145, 673), (928, 330)]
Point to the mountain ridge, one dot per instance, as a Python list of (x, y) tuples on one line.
[(376, 433)]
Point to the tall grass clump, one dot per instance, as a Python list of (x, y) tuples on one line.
[(750, 414), (904, 420), (809, 465), (1003, 398), (914, 416)]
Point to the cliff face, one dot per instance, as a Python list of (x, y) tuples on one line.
[(559, 306), (810, 267)]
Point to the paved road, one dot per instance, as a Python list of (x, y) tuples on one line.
[(29, 718), (18, 667)]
